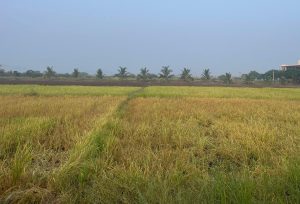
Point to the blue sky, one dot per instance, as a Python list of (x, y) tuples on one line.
[(224, 36)]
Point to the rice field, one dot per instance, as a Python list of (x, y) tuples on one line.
[(149, 145), (34, 90), (223, 92)]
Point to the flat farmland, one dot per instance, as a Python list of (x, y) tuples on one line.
[(37, 90), (66, 144)]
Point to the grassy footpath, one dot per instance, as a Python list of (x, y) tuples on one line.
[(74, 179)]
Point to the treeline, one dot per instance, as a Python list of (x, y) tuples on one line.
[(166, 73), (283, 77)]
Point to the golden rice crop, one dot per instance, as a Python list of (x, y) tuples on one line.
[(34, 90), (202, 150), (37, 134), (223, 92), (152, 145)]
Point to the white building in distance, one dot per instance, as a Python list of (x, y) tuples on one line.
[(285, 67)]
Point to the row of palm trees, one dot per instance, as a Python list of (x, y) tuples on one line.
[(144, 74), (165, 73)]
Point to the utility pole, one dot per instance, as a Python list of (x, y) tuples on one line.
[(273, 77)]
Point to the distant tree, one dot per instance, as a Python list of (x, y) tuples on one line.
[(2, 71), (165, 73), (49, 72), (144, 74), (206, 74), (122, 72), (292, 75), (75, 73), (254, 75), (228, 79), (186, 74), (268, 76), (99, 74), (32, 73), (16, 73), (247, 79)]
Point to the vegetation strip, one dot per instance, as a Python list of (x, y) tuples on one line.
[(289, 75)]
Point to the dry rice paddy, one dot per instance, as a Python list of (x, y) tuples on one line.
[(152, 145)]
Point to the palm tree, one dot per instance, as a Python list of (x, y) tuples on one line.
[(75, 73), (186, 74), (227, 78), (122, 72), (99, 74), (165, 73), (49, 72), (144, 74), (206, 74)]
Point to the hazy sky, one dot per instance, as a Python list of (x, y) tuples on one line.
[(224, 35)]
